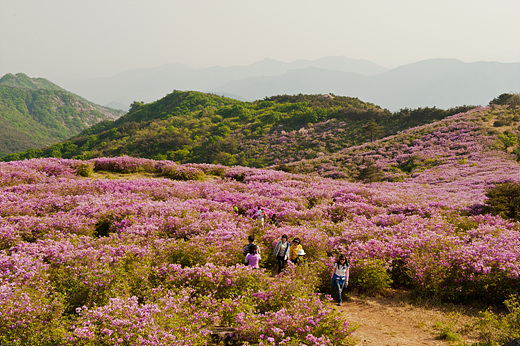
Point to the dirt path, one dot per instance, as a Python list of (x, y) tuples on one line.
[(394, 322)]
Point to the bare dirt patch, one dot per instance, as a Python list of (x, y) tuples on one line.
[(394, 321)]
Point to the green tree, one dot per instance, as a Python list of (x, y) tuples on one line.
[(502, 99), (91, 142), (55, 150), (373, 130), (514, 103), (508, 139), (369, 173), (135, 106), (504, 200), (511, 100), (273, 117)]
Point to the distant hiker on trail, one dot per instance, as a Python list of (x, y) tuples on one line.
[(274, 220), (235, 209), (296, 251), (254, 257), (340, 275), (260, 216), (247, 248), (281, 252)]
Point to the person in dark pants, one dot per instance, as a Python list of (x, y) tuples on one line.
[(340, 275), (281, 252)]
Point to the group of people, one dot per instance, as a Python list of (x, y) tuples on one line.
[(294, 252), (283, 252)]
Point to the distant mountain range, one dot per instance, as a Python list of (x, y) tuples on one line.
[(35, 112), (439, 83)]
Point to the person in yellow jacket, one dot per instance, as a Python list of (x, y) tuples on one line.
[(296, 251)]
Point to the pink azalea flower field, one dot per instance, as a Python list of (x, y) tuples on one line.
[(150, 253)]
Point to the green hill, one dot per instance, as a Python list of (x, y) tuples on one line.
[(23, 81), (188, 126), (465, 141), (35, 113)]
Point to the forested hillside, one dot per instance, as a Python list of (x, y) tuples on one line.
[(188, 126), (35, 113), (460, 142)]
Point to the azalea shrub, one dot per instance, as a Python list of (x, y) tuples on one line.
[(499, 329), (371, 277)]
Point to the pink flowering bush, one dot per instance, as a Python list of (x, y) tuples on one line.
[(179, 172), (308, 321), (124, 164), (166, 318), (30, 316), (31, 311)]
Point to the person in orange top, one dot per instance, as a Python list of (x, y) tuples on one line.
[(296, 250)]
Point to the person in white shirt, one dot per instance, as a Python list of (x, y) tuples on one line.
[(340, 276), (260, 216)]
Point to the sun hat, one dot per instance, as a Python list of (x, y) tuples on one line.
[(301, 252)]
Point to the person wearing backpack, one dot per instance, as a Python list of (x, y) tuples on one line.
[(281, 252), (246, 249), (340, 276), (253, 258)]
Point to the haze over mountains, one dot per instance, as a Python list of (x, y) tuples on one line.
[(442, 83)]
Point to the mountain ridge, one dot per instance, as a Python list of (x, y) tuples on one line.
[(441, 83), (35, 112), (163, 79), (419, 83)]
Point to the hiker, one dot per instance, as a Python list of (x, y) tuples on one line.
[(247, 248), (340, 275), (253, 258), (260, 216), (296, 251), (274, 220), (281, 252)]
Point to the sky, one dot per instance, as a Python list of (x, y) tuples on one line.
[(79, 39)]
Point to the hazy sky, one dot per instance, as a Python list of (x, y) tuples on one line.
[(76, 39)]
